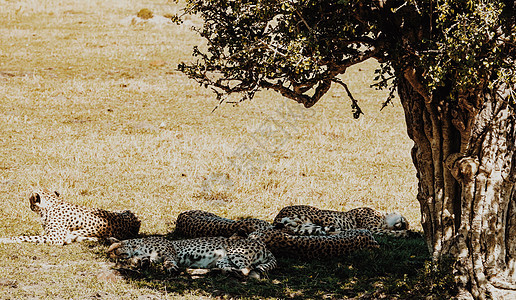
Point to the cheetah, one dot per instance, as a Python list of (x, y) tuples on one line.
[(235, 254), (142, 252), (279, 239), (199, 223), (64, 223), (282, 243), (309, 220)]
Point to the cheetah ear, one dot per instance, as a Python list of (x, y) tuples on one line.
[(35, 199), (114, 246), (404, 223), (113, 240), (35, 202)]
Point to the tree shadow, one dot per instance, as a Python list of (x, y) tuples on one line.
[(400, 268)]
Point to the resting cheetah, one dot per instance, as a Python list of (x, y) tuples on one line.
[(198, 223), (228, 254), (142, 252), (279, 239), (329, 246), (64, 223), (309, 220)]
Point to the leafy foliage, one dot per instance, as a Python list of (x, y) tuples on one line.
[(473, 45), (299, 47), (288, 46)]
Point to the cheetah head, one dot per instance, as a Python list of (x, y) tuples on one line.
[(121, 249), (395, 221), (41, 200), (128, 255)]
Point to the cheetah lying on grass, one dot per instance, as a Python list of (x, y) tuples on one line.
[(309, 220), (198, 223), (279, 239), (64, 223), (283, 243), (235, 254)]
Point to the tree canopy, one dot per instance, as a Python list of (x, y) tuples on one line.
[(299, 47)]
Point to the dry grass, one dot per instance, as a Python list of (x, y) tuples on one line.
[(91, 105)]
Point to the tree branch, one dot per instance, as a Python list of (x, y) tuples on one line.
[(306, 100), (340, 67), (354, 103)]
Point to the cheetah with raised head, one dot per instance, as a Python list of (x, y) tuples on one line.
[(64, 223), (235, 254), (309, 220)]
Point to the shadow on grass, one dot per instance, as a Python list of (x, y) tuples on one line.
[(400, 269)]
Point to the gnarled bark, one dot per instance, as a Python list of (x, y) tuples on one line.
[(465, 157)]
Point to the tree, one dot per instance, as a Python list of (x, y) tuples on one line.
[(453, 65)]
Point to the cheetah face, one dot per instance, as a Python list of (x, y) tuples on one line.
[(42, 200), (142, 252), (396, 221), (130, 254), (121, 250)]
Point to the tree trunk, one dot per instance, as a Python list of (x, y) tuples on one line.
[(464, 154)]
